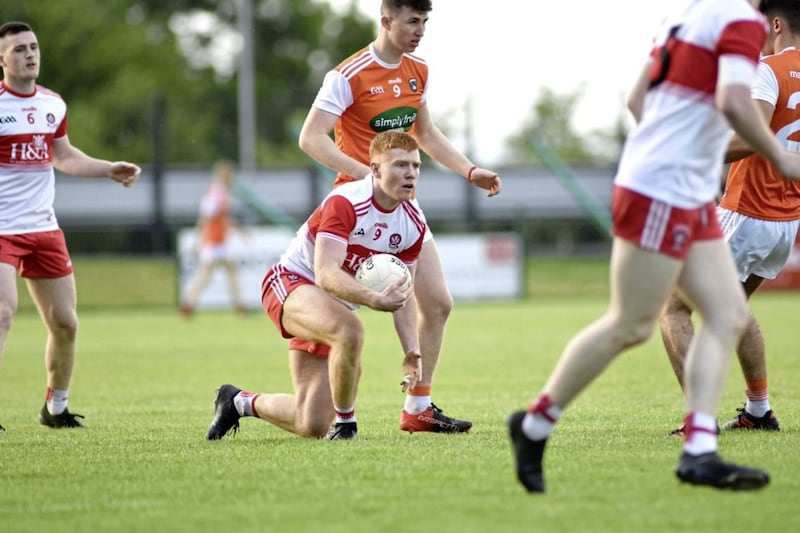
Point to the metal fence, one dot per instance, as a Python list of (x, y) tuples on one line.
[(529, 193)]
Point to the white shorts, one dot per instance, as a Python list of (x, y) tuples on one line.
[(213, 253), (759, 247)]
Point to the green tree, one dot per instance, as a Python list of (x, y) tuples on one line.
[(551, 124), (109, 59), (107, 66)]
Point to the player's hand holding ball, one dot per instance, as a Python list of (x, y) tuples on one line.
[(389, 276)]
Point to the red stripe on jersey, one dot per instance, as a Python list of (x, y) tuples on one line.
[(362, 207), (738, 38), (32, 168), (62, 128), (696, 67), (413, 213), (690, 66)]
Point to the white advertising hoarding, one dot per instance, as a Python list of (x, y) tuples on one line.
[(485, 266), (482, 266), (253, 248)]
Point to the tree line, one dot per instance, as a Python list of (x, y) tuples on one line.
[(127, 68), (111, 60)]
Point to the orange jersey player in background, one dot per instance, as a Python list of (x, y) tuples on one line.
[(388, 99), (759, 212), (384, 87), (216, 222), (214, 225), (754, 187)]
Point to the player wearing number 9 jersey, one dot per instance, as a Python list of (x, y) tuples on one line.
[(388, 96), (306, 295), (759, 212), (384, 87)]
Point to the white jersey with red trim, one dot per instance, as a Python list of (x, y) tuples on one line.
[(675, 153), (28, 125), (350, 215)]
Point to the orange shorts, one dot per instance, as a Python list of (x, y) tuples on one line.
[(657, 226), (42, 254), (277, 284)]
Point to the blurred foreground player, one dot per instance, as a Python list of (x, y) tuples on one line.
[(695, 86)]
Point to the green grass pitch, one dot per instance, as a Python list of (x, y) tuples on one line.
[(145, 381)]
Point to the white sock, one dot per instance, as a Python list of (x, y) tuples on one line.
[(244, 403), (537, 427), (345, 415), (757, 408), (416, 404), (57, 400), (704, 440)]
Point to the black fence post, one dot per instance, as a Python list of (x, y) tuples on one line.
[(158, 227)]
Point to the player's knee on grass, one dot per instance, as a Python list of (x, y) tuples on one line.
[(312, 427)]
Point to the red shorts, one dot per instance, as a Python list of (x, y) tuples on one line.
[(657, 226), (275, 288), (42, 254)]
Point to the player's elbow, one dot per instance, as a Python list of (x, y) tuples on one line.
[(309, 142), (325, 280), (303, 142), (635, 105)]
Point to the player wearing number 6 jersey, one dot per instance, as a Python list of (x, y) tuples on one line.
[(759, 212), (33, 141), (385, 87)]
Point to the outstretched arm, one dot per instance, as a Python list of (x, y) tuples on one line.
[(71, 160), (439, 147)]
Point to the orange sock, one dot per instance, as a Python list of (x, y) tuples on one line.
[(757, 390), (757, 398), (418, 399), (421, 390)]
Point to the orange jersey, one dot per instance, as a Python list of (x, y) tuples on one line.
[(371, 96), (754, 188), (214, 211)]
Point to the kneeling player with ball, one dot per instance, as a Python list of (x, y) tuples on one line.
[(311, 293)]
